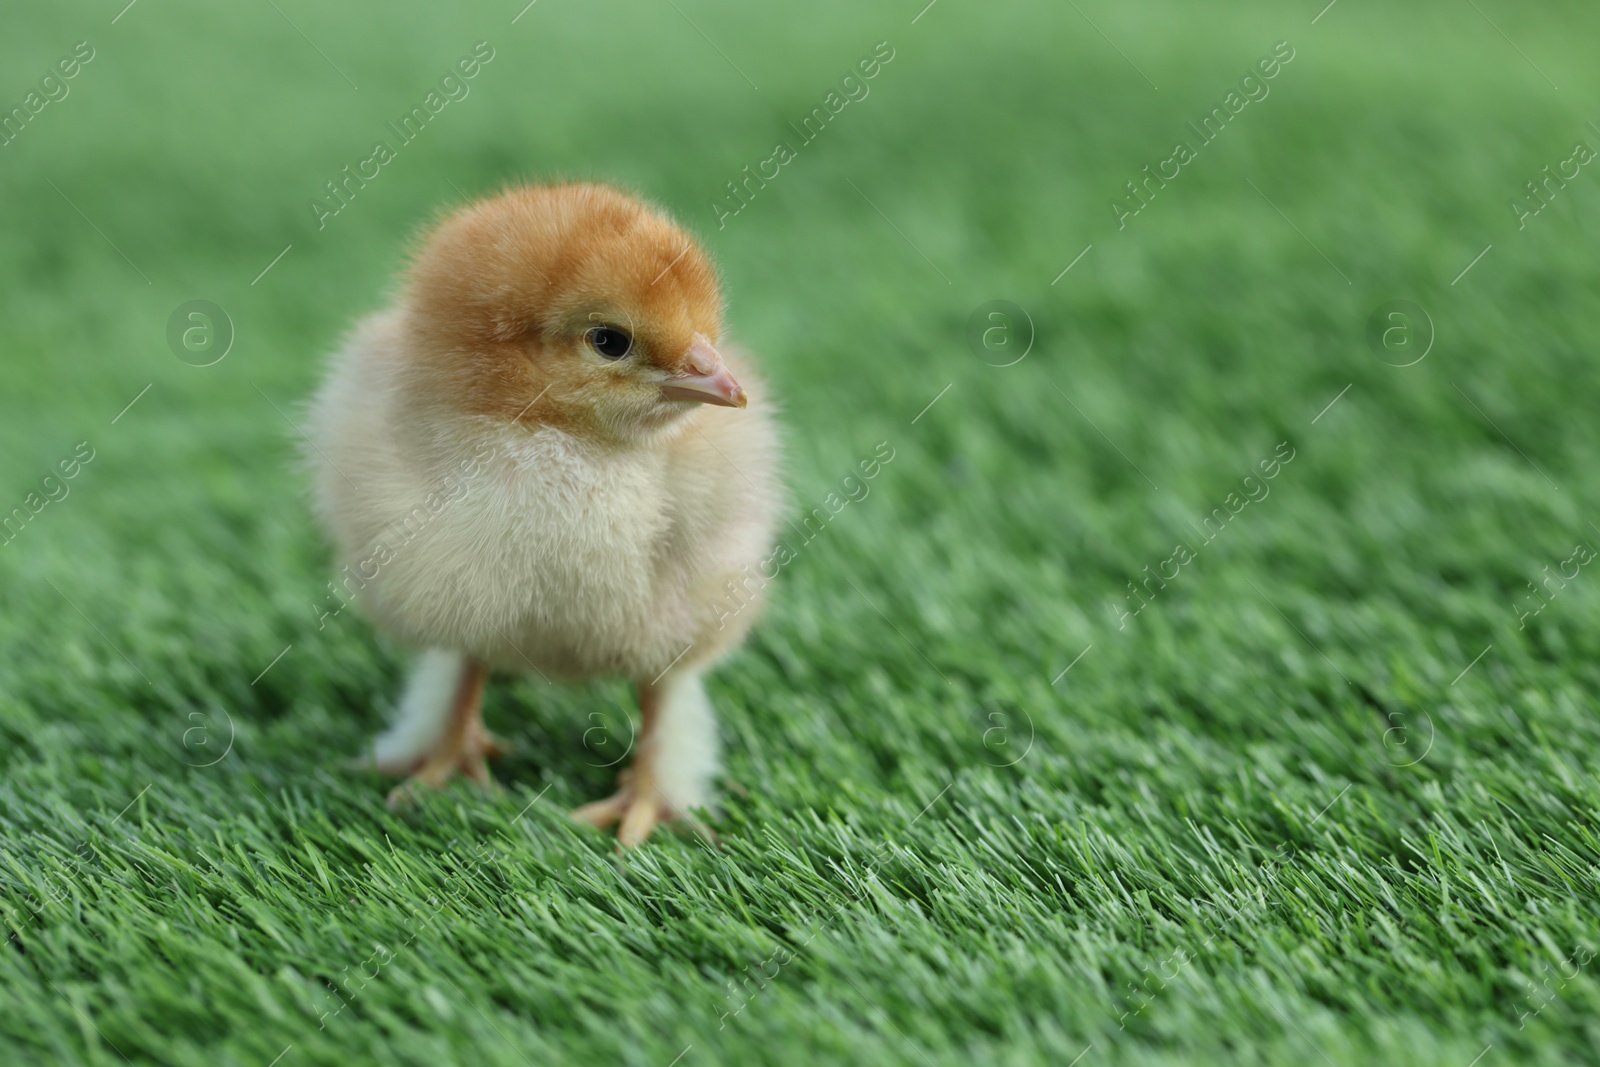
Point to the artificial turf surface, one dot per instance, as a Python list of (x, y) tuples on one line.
[(1329, 796)]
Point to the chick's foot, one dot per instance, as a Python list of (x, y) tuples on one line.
[(638, 805), (464, 746), (670, 776)]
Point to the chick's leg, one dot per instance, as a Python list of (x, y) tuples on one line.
[(672, 772), (464, 744)]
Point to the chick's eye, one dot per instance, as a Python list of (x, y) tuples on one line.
[(609, 341)]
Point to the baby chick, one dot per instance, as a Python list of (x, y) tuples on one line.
[(543, 458)]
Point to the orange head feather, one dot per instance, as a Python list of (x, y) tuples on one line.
[(574, 306)]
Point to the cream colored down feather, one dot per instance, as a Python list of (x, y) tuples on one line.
[(539, 552)]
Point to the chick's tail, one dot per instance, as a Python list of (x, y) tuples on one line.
[(423, 716)]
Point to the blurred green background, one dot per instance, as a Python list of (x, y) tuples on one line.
[(1329, 796)]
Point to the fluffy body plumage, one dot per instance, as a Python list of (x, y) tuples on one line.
[(506, 495)]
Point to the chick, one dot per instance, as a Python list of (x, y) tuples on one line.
[(543, 458)]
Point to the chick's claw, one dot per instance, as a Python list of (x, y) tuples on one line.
[(465, 745), (637, 804), (640, 810), (602, 814), (470, 758), (639, 815)]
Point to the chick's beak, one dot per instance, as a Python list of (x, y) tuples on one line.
[(706, 380)]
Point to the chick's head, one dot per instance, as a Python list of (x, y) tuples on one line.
[(573, 306)]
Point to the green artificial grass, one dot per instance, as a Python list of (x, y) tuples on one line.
[(1328, 796)]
